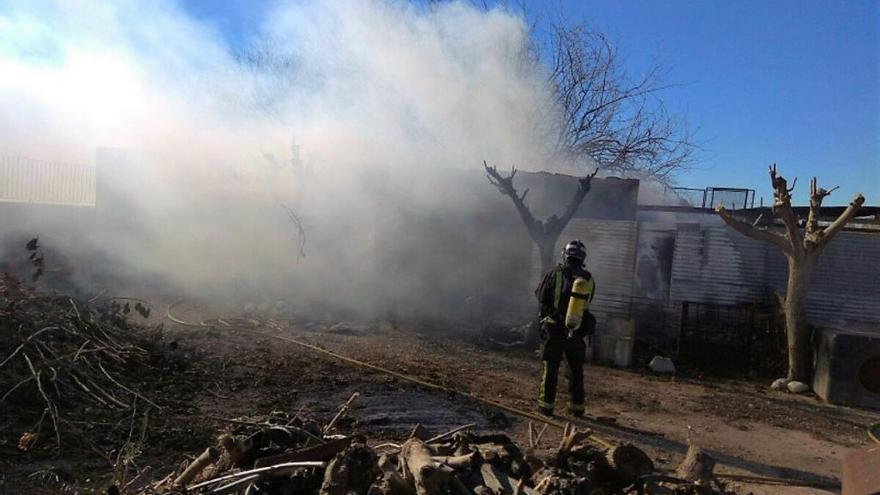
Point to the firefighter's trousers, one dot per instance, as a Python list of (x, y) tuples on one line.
[(557, 344)]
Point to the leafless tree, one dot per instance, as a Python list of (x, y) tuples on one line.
[(544, 233), (802, 250), (297, 222), (603, 116)]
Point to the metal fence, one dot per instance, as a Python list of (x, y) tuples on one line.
[(688, 196), (733, 198), (24, 180), (730, 197)]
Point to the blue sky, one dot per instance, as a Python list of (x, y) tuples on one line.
[(796, 82)]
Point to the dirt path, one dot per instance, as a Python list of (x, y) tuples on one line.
[(749, 429), (242, 374)]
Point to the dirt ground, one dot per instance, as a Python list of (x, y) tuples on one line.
[(240, 374)]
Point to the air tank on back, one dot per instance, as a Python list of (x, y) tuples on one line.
[(577, 304)]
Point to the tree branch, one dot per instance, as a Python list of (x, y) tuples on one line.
[(814, 235), (608, 117), (505, 185), (300, 232), (752, 231), (584, 185), (782, 209), (836, 226)]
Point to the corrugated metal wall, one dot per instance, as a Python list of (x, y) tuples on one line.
[(846, 283), (714, 264), (23, 180), (611, 248)]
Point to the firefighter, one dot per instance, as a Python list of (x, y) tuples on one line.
[(554, 294)]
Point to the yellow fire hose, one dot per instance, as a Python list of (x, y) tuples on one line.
[(251, 326), (874, 432)]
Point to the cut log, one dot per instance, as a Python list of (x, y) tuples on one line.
[(238, 449), (629, 462), (494, 453), (458, 462), (427, 475), (394, 484), (458, 487), (421, 433), (323, 452), (495, 480), (352, 471), (278, 470), (571, 438), (501, 483), (697, 466), (208, 457)]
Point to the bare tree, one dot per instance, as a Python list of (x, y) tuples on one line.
[(544, 233), (802, 251), (297, 222), (605, 117)]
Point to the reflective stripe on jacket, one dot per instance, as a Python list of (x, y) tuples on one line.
[(555, 289)]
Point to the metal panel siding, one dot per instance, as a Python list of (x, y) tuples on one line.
[(611, 248), (23, 180), (846, 283), (716, 265)]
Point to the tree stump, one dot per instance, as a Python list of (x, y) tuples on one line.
[(427, 475), (629, 462), (697, 466), (352, 471), (208, 457)]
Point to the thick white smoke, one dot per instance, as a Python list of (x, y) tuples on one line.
[(393, 108)]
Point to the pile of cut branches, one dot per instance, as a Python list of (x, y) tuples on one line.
[(62, 355), (280, 454)]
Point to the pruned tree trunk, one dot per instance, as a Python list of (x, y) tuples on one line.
[(547, 250), (802, 248), (428, 476), (800, 355), (629, 462), (697, 466), (545, 234), (351, 472)]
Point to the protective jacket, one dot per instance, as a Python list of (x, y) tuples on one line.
[(554, 292)]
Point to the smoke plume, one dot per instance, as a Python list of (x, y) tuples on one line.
[(368, 120)]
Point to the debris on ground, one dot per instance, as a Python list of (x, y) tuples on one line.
[(283, 454), (793, 386), (660, 364), (507, 335), (67, 358), (779, 384), (797, 387)]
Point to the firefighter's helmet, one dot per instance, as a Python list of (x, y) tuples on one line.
[(575, 251)]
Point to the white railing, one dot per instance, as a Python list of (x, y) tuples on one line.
[(24, 180)]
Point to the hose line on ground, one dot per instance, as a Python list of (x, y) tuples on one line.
[(253, 326), (874, 432)]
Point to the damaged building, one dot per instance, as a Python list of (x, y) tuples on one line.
[(674, 279)]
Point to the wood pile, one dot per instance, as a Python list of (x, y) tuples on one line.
[(281, 455), (63, 355)]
